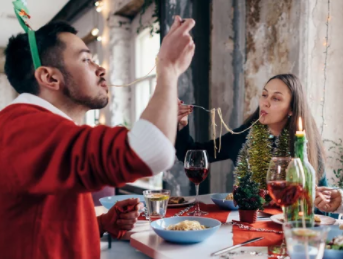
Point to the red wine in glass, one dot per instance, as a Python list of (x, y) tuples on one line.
[(284, 193), (196, 175), (196, 168), (285, 185)]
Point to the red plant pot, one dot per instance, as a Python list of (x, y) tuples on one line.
[(249, 216)]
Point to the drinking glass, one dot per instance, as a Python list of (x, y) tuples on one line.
[(304, 241), (156, 203), (196, 167)]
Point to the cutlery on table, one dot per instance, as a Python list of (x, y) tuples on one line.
[(235, 246)]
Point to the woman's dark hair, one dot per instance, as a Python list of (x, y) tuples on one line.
[(300, 108)]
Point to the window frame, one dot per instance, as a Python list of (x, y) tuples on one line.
[(137, 21)]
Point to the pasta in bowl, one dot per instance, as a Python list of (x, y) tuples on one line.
[(185, 230), (187, 225)]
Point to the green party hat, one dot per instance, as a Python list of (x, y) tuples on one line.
[(22, 14)]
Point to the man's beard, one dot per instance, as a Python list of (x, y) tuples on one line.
[(71, 90)]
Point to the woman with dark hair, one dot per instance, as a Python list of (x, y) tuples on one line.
[(281, 104)]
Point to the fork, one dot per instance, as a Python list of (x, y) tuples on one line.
[(198, 106)]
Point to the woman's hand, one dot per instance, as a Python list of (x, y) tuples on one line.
[(184, 111), (327, 199)]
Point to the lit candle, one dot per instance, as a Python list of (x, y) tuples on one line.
[(300, 132)]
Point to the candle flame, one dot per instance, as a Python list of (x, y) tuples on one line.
[(300, 124)]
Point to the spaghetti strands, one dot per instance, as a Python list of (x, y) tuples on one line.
[(187, 225), (140, 79), (222, 123)]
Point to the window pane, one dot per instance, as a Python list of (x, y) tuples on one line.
[(92, 117), (142, 97), (147, 48)]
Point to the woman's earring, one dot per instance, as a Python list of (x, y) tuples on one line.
[(289, 115)]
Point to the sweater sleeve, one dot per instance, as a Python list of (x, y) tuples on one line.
[(230, 145), (43, 153)]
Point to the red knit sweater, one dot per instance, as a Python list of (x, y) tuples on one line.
[(48, 167)]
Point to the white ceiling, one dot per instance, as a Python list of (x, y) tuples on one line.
[(41, 11)]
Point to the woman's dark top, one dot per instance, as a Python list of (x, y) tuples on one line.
[(230, 146)]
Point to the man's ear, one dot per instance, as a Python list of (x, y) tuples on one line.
[(49, 77)]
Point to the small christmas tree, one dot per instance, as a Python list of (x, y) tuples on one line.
[(248, 195)]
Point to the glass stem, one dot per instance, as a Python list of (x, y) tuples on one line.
[(283, 244), (197, 207), (284, 214)]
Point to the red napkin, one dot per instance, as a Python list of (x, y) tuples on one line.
[(269, 238), (272, 210)]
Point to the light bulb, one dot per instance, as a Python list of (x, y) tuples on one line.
[(99, 9), (95, 32), (102, 119), (99, 38), (97, 3)]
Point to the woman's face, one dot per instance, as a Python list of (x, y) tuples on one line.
[(275, 103)]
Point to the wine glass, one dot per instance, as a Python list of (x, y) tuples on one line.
[(285, 182), (196, 167)]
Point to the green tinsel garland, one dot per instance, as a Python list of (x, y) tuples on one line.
[(257, 152)]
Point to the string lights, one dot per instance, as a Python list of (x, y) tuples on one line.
[(95, 32), (326, 45), (99, 5)]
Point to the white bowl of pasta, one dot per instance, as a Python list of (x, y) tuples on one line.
[(185, 230)]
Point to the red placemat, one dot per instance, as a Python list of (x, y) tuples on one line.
[(272, 210), (269, 239), (213, 210)]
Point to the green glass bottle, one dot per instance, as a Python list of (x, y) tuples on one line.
[(300, 150), (292, 212)]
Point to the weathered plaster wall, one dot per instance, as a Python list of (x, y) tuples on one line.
[(324, 73), (119, 69), (272, 44), (227, 76), (7, 93), (293, 36)]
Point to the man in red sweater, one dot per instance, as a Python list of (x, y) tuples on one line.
[(49, 165)]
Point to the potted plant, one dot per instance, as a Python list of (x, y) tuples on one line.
[(249, 198)]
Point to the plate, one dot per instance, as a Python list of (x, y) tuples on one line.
[(329, 253), (325, 220), (109, 201), (187, 201), (219, 200), (185, 237)]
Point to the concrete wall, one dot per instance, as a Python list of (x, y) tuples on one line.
[(227, 76), (324, 72), (290, 36), (7, 93), (272, 44)]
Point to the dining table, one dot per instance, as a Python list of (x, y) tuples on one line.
[(142, 242)]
